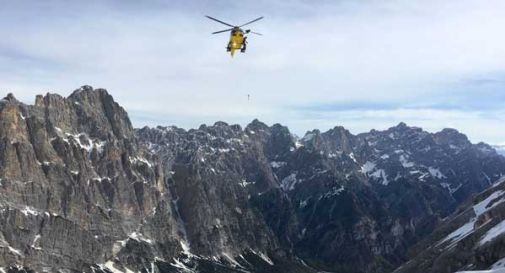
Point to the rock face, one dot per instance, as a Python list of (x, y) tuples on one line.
[(82, 191), (74, 183)]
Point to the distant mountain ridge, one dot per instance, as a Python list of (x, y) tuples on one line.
[(500, 149), (81, 190)]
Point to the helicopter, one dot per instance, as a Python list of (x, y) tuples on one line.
[(238, 38)]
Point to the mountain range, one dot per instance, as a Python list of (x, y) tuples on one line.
[(81, 190)]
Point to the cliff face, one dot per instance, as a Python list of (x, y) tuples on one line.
[(75, 185), (81, 190), (78, 193)]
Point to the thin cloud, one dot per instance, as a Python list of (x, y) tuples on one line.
[(319, 64)]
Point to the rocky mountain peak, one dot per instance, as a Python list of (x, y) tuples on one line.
[(309, 135), (403, 128), (84, 88), (401, 125), (221, 129), (99, 106), (256, 125), (339, 129), (10, 98), (220, 124), (86, 110), (451, 137)]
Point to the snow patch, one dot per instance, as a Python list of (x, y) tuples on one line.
[(245, 183), (481, 207), (289, 182), (499, 264), (141, 160), (351, 155), (29, 211), (368, 167), (435, 172), (494, 232), (405, 163), (334, 155), (263, 256), (380, 173), (185, 248), (334, 191), (266, 258), (109, 265), (15, 251), (139, 237), (298, 145), (34, 243), (500, 181), (230, 259), (178, 264), (460, 233), (277, 164), (303, 204), (450, 188), (499, 270)]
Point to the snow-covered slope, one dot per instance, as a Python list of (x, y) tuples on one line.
[(472, 240)]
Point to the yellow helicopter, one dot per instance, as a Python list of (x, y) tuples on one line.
[(238, 38)]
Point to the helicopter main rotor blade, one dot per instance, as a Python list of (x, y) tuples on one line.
[(221, 31), (224, 23), (257, 33), (257, 19)]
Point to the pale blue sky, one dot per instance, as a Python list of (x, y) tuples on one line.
[(360, 64)]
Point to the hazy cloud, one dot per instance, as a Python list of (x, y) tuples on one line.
[(360, 64)]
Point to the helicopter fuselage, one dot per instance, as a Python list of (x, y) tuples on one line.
[(237, 40)]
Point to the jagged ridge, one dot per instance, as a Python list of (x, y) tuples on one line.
[(257, 199)]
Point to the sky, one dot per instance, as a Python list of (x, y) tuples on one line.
[(366, 64)]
